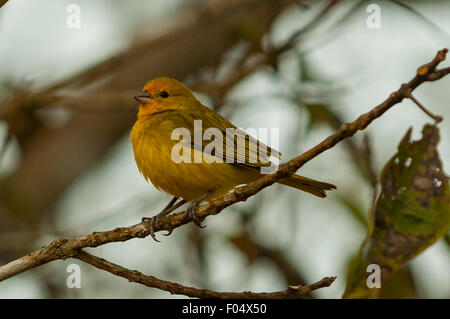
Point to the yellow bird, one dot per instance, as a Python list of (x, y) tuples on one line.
[(166, 106)]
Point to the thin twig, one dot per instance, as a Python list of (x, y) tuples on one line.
[(250, 63), (421, 16), (312, 24), (437, 118)]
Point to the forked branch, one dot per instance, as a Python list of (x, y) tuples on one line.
[(66, 248)]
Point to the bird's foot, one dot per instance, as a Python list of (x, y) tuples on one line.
[(152, 221), (190, 211), (166, 211)]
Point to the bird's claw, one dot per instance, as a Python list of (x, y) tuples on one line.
[(155, 219), (197, 221), (152, 221)]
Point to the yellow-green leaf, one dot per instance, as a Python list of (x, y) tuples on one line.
[(411, 213)]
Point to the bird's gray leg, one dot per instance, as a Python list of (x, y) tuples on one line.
[(190, 209), (166, 210)]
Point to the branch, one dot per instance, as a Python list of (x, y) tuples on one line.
[(43, 166), (312, 24), (250, 63), (174, 288), (65, 248)]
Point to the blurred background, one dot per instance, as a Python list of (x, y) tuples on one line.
[(70, 69)]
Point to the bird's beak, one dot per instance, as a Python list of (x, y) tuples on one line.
[(143, 97)]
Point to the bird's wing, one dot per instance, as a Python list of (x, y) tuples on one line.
[(237, 146)]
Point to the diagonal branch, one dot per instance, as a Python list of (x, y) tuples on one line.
[(174, 288), (65, 248)]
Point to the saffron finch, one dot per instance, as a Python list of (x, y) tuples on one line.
[(167, 105)]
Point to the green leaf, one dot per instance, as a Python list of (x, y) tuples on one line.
[(411, 213)]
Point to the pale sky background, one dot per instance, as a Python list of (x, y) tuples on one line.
[(363, 64)]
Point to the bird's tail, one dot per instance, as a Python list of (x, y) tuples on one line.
[(308, 185)]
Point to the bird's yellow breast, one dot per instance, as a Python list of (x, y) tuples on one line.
[(152, 146)]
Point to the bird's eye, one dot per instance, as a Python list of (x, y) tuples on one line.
[(164, 94)]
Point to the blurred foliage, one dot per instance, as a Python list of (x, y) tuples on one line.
[(400, 285), (411, 213), (402, 227), (354, 208)]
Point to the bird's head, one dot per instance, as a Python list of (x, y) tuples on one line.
[(164, 94)]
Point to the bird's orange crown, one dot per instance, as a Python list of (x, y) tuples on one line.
[(163, 94)]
